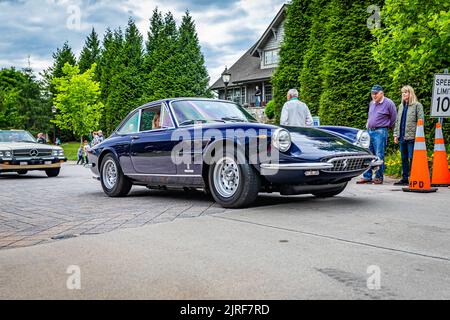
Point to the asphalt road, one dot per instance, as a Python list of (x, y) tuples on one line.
[(370, 242)]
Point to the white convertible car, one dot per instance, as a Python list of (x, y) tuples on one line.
[(20, 152)]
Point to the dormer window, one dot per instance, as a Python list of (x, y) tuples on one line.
[(271, 57)]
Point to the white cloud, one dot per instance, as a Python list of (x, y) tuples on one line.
[(226, 30)]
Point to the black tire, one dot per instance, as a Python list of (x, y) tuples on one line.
[(248, 187), (22, 172), (121, 186), (51, 173), (330, 192)]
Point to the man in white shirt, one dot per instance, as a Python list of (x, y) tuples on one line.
[(295, 113)]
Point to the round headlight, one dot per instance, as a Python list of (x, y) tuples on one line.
[(363, 139), (281, 139)]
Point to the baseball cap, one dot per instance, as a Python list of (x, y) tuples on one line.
[(377, 88)]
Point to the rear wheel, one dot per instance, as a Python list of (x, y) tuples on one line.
[(22, 172), (51, 173), (328, 193), (114, 182), (233, 185)]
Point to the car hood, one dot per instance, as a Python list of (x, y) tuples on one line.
[(316, 143), (25, 145)]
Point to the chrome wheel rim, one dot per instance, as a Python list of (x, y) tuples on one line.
[(109, 174), (226, 177)]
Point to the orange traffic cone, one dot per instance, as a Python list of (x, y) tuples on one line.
[(419, 180), (441, 175)]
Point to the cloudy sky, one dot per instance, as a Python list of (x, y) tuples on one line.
[(35, 28)]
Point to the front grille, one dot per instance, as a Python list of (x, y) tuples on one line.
[(26, 153), (349, 163)]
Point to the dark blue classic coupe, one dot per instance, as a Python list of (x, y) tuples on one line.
[(217, 146)]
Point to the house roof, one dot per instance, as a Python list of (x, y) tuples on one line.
[(248, 67), (269, 31)]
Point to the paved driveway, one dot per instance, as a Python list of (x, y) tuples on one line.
[(35, 209)]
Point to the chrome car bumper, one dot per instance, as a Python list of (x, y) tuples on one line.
[(273, 168)]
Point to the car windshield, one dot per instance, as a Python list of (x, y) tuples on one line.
[(16, 136), (202, 111)]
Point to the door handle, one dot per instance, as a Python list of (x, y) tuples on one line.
[(135, 137)]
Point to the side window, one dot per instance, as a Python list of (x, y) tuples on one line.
[(166, 119), (150, 119), (155, 118), (131, 126)]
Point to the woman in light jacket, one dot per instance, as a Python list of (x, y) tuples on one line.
[(409, 112)]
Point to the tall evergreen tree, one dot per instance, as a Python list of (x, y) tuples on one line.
[(109, 67), (192, 74), (348, 68), (60, 58), (126, 86), (90, 53), (297, 30), (162, 58), (311, 82)]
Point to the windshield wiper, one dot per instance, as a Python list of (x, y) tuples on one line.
[(187, 122), (193, 121), (233, 119)]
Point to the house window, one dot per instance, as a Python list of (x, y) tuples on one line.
[(271, 57), (267, 93)]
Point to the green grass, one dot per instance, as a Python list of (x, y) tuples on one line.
[(70, 150)]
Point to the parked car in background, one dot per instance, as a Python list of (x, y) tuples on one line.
[(227, 153), (20, 152)]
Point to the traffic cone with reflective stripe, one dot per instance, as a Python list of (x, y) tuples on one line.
[(419, 180), (441, 175)]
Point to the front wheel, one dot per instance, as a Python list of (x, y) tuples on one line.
[(233, 185), (22, 172), (51, 173), (114, 182), (330, 192)]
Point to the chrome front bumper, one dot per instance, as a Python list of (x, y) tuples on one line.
[(271, 168)]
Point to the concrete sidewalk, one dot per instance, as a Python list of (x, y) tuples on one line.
[(245, 255)]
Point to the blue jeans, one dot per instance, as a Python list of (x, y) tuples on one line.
[(406, 151), (378, 142), (258, 101)]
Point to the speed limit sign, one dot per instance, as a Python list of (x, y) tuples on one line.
[(440, 106)]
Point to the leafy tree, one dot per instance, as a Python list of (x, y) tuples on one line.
[(22, 105), (90, 53), (297, 30), (77, 100), (412, 45)]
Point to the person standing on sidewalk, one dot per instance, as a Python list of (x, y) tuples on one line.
[(295, 113), (382, 116), (410, 111)]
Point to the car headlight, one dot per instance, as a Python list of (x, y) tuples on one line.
[(363, 139), (5, 154), (281, 139), (58, 152)]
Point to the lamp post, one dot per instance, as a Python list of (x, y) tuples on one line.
[(54, 111), (226, 77)]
